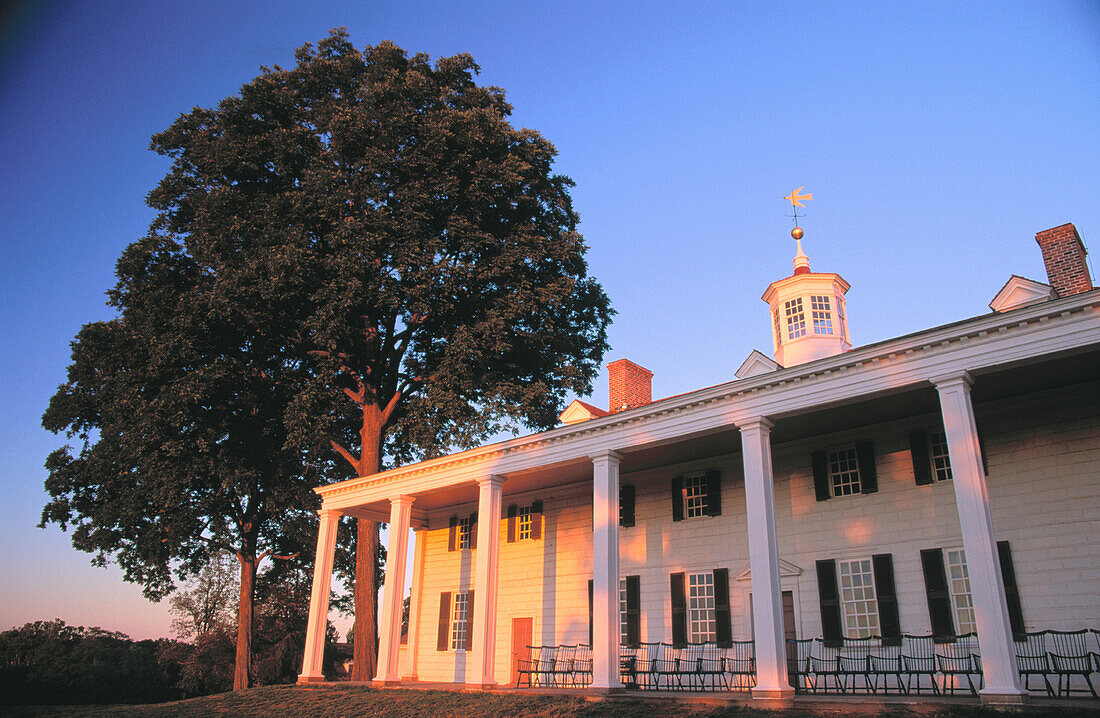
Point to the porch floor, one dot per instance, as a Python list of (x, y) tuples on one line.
[(870, 704)]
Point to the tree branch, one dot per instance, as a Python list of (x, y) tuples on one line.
[(345, 453)]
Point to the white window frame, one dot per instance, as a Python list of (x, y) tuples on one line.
[(465, 533), (702, 614), (778, 328), (821, 313), (938, 456), (796, 318), (695, 496), (460, 611), (958, 585), (858, 598), (844, 478), (524, 522)]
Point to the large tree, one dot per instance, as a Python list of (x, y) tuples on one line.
[(410, 247), (180, 408)]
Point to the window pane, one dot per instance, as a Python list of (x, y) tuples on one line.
[(941, 462), (701, 618), (820, 311), (959, 578), (844, 472), (524, 523), (857, 595), (695, 496), (458, 621), (464, 532), (623, 639), (796, 319)]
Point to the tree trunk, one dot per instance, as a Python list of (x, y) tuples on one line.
[(242, 674), (366, 601), (366, 557)]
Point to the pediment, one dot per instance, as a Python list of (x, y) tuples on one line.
[(578, 411), (786, 570), (1020, 292), (755, 364)]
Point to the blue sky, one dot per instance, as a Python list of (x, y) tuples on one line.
[(936, 138)]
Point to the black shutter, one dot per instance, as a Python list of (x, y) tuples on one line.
[(679, 610), (473, 530), (452, 536), (678, 498), (939, 597), (829, 598), (1012, 593), (889, 623), (536, 520), (589, 612), (469, 621), (513, 510), (868, 478), (444, 621), (918, 451), (626, 505), (633, 610), (714, 493), (820, 462), (723, 630)]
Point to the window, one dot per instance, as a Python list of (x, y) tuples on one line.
[(464, 532), (857, 597), (701, 621), (524, 523), (695, 495), (458, 621), (844, 472), (941, 462), (624, 622), (959, 584), (778, 328), (796, 319), (821, 315)]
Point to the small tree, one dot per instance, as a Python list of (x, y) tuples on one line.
[(207, 605), (424, 246)]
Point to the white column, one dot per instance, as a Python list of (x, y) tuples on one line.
[(767, 600), (312, 661), (479, 671), (1002, 682), (393, 593), (605, 572), (412, 649)]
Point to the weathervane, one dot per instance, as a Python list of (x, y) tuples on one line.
[(796, 201)]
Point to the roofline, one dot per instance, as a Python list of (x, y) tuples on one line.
[(926, 339)]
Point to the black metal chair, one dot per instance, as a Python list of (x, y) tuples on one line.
[(1070, 656), (740, 665), (853, 662), (885, 661), (579, 671), (1032, 659), (825, 664), (918, 658), (628, 667), (666, 667), (798, 662), (956, 659), (644, 665)]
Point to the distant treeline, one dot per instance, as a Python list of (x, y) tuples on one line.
[(49, 662)]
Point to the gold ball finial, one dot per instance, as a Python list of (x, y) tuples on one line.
[(797, 233)]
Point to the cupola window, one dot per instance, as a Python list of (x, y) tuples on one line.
[(796, 318), (821, 314)]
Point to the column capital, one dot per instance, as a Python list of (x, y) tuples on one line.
[(329, 514), (606, 455), (492, 480), (951, 380), (402, 500), (758, 423)]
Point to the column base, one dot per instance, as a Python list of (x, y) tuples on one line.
[(305, 680), (411, 678), (1007, 700), (773, 694), (597, 692), (385, 682), (482, 686)]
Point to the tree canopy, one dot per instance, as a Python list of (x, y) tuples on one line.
[(364, 258)]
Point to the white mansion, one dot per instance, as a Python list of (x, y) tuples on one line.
[(945, 482)]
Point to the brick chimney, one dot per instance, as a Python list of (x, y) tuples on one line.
[(630, 385), (1064, 257)]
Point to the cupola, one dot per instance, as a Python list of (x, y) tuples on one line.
[(808, 317)]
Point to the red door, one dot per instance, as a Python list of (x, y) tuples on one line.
[(521, 639)]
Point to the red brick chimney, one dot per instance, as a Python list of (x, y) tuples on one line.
[(630, 385), (1064, 257)]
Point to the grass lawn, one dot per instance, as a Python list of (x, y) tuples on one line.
[(339, 701)]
